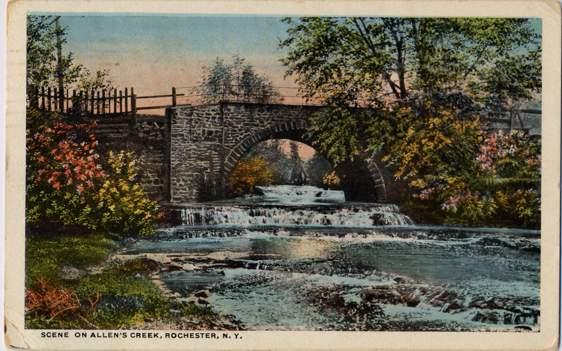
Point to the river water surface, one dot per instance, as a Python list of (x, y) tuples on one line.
[(301, 258)]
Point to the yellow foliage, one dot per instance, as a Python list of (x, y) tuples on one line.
[(125, 207), (247, 174), (331, 180)]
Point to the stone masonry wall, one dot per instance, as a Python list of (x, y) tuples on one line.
[(148, 139), (206, 142)]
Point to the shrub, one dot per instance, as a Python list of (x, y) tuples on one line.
[(247, 174), (68, 185), (331, 180), (501, 189), (62, 170), (122, 203), (51, 301)]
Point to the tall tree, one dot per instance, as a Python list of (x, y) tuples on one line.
[(374, 61), (419, 64), (317, 168), (237, 81), (426, 81), (48, 64), (294, 151)]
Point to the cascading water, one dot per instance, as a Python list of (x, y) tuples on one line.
[(301, 258), (294, 206)]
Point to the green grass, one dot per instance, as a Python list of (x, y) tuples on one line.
[(124, 294), (46, 255)]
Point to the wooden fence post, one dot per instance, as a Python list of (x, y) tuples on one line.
[(80, 100), (115, 101), (98, 102), (92, 111), (120, 101), (49, 99), (74, 107), (86, 101), (174, 99), (134, 105), (103, 102), (56, 100), (126, 101), (43, 98)]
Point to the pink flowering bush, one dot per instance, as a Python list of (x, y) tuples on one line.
[(62, 170), (502, 188), (68, 185)]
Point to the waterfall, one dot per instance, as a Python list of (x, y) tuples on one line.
[(298, 194), (286, 205)]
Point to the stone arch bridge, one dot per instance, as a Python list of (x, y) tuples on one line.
[(187, 156), (206, 142)]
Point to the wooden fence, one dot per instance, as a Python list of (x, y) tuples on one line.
[(102, 103)]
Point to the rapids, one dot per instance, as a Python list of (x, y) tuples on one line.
[(301, 258)]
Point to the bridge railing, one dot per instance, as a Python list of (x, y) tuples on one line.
[(99, 103), (125, 103)]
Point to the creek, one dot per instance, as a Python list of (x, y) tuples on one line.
[(302, 258)]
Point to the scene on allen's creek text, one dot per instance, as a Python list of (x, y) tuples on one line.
[(225, 173)]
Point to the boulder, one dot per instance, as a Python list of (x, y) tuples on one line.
[(202, 293), (70, 273)]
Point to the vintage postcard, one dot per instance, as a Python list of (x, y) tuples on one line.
[(283, 175)]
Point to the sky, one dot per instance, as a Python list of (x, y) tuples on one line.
[(154, 53)]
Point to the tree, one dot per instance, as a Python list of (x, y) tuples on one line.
[(236, 81), (465, 65), (425, 83), (47, 65), (317, 168), (374, 61), (247, 174), (276, 158)]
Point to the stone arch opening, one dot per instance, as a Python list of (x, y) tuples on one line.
[(361, 180), (206, 141)]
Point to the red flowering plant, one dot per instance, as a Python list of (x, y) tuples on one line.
[(68, 184), (63, 169)]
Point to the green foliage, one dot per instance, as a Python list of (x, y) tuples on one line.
[(42, 62), (336, 132), (247, 174), (237, 81), (430, 148), (317, 168), (68, 185), (278, 161), (426, 81), (137, 265), (377, 60), (43, 66), (501, 189), (390, 64), (45, 255), (98, 80), (115, 298)]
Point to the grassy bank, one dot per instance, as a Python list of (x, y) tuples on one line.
[(71, 284)]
